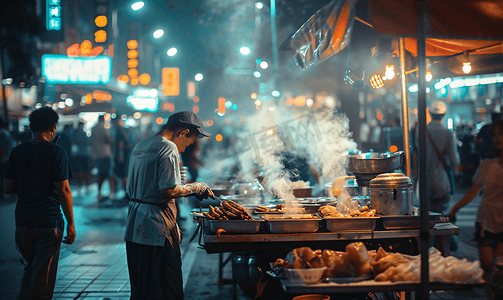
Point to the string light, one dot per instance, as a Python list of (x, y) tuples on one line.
[(376, 81), (428, 75), (390, 72), (467, 65)]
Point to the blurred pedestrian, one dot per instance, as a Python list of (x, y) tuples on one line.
[(154, 183), (81, 145), (441, 149), (5, 148), (489, 221), (442, 160), (65, 139), (485, 143), (122, 150), (38, 172), (191, 160), (101, 152)]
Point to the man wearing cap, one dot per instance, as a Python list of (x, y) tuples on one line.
[(152, 234), (443, 139)]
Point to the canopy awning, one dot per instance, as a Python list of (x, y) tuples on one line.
[(460, 19)]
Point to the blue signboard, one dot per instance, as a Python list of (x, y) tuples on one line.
[(61, 69), (53, 15)]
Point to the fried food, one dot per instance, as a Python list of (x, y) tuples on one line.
[(359, 258), (228, 210), (329, 211)]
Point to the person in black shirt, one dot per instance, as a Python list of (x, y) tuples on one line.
[(38, 172)]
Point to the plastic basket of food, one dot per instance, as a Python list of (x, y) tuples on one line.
[(304, 276), (338, 224), (293, 223)]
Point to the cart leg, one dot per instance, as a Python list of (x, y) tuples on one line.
[(221, 265), (443, 244)]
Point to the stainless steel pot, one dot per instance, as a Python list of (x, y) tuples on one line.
[(391, 194)]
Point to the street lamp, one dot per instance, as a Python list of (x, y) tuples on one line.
[(244, 50), (158, 33), (137, 5), (172, 51), (198, 77)]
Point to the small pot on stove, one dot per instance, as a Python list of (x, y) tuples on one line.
[(391, 194)]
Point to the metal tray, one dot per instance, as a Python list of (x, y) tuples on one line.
[(296, 225), (235, 226), (350, 223), (405, 222), (309, 200)]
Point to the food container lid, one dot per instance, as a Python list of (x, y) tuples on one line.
[(390, 180)]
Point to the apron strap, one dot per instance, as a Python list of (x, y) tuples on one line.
[(160, 205)]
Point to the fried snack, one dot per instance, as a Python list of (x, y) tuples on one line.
[(262, 208), (327, 210), (337, 264), (331, 211), (228, 210), (359, 258), (390, 260), (219, 231)]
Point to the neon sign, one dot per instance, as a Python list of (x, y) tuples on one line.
[(61, 69), (143, 103), (53, 17)]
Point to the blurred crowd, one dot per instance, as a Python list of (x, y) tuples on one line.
[(98, 154)]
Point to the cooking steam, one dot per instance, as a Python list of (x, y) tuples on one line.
[(321, 137)]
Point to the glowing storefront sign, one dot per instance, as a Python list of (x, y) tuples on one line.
[(143, 103), (61, 69), (53, 17)]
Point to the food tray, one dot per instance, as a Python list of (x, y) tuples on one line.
[(294, 225), (235, 226), (336, 224), (309, 200), (404, 222)]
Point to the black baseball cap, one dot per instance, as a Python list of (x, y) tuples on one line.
[(188, 118)]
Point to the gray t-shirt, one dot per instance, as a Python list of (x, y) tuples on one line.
[(437, 181), (490, 212), (154, 165), (101, 142)]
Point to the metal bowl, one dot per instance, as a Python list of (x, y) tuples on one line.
[(375, 162)]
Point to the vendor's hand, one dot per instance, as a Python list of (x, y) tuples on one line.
[(201, 190), (70, 234)]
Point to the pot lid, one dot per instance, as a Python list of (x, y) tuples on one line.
[(390, 180)]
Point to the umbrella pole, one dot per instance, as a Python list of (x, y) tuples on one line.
[(405, 109), (424, 233)]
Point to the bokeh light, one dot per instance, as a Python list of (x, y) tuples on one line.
[(244, 50), (172, 51)]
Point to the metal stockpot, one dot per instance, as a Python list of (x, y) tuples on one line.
[(391, 194)]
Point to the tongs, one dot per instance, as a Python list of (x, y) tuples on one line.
[(215, 197)]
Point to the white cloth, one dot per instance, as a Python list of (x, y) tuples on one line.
[(101, 142), (437, 182), (490, 212), (154, 165)]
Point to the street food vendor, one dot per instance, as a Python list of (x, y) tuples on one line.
[(154, 182)]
